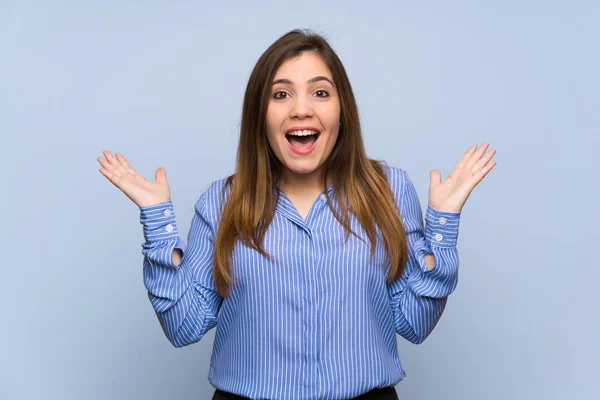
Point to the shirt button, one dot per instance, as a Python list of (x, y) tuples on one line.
[(169, 228), (439, 237), (167, 212), (323, 197), (443, 221)]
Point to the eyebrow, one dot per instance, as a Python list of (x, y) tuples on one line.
[(311, 80)]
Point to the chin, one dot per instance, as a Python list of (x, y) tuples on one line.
[(301, 171), (301, 167)]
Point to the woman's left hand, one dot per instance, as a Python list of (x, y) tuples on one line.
[(451, 194)]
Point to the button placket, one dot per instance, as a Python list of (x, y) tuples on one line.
[(316, 297)]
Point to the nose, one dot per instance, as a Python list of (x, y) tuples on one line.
[(300, 108)]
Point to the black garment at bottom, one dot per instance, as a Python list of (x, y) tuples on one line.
[(386, 393)]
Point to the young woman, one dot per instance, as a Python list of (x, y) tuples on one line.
[(311, 256)]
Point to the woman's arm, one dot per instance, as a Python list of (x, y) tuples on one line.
[(181, 290), (419, 296)]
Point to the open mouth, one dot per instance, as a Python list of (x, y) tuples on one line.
[(302, 142)]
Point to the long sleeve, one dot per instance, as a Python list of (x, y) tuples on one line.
[(184, 296), (419, 296)]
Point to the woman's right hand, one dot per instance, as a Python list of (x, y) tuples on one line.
[(139, 190)]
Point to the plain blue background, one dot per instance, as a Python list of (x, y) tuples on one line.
[(163, 84)]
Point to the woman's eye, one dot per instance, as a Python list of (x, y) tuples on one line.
[(323, 91), (278, 97)]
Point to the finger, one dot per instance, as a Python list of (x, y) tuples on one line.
[(476, 156), (435, 176), (484, 160), (479, 175), (106, 173), (125, 164), (161, 175), (111, 177), (116, 164), (461, 163), (114, 171), (110, 158)]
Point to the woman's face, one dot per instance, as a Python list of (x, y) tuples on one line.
[(303, 100)]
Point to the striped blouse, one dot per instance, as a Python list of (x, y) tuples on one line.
[(317, 322)]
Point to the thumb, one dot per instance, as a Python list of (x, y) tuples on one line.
[(435, 176), (161, 175)]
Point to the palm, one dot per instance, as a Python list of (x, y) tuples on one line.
[(452, 193), (142, 192)]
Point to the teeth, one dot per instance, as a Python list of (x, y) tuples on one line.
[(302, 133)]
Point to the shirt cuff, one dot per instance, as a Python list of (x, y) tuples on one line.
[(158, 221), (441, 228)]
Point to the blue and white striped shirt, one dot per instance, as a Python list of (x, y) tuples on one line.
[(319, 322)]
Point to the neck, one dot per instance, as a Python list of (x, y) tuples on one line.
[(297, 183)]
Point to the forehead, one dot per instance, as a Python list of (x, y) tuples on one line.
[(301, 68)]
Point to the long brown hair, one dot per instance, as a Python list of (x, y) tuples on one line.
[(359, 180)]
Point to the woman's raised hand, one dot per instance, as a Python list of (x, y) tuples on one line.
[(139, 190), (452, 193)]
